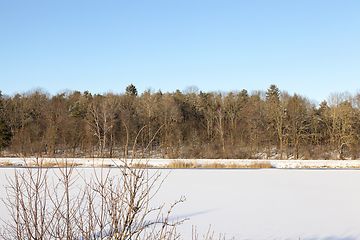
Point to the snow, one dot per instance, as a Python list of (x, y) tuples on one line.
[(268, 203), (87, 162), (259, 203)]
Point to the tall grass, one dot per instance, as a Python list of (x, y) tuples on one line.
[(214, 165), (5, 164), (181, 164), (194, 164)]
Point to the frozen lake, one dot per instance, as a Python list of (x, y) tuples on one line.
[(270, 203), (261, 203)]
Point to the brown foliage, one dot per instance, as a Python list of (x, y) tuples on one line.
[(194, 124)]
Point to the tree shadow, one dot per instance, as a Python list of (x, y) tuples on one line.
[(190, 215)]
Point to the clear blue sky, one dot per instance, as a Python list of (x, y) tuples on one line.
[(307, 46)]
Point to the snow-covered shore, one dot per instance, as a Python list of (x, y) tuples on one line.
[(88, 162)]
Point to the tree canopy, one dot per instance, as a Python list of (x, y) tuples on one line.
[(189, 124)]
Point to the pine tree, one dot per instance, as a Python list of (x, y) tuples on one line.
[(273, 94), (131, 90), (4, 130)]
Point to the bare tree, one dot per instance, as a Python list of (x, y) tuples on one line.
[(275, 109), (340, 120), (297, 122), (168, 115)]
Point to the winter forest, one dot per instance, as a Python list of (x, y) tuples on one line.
[(187, 124)]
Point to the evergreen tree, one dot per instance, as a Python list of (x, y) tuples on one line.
[(131, 90), (4, 130), (273, 94)]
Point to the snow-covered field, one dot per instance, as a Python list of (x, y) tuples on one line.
[(260, 203)]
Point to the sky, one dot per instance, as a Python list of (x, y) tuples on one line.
[(308, 47)]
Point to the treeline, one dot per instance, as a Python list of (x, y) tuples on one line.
[(189, 124)]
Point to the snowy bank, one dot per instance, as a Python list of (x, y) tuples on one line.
[(160, 163)]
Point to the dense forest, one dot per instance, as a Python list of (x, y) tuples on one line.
[(188, 124)]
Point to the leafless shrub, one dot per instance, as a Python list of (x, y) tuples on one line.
[(63, 203), (28, 202), (108, 205), (208, 236), (66, 163)]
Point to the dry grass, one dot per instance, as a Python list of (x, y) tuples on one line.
[(51, 164), (326, 166), (98, 164), (297, 166), (141, 165), (172, 164), (44, 164), (353, 167), (182, 164), (214, 165), (234, 165), (237, 165), (259, 165), (6, 164)]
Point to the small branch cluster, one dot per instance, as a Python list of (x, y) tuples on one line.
[(63, 203)]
